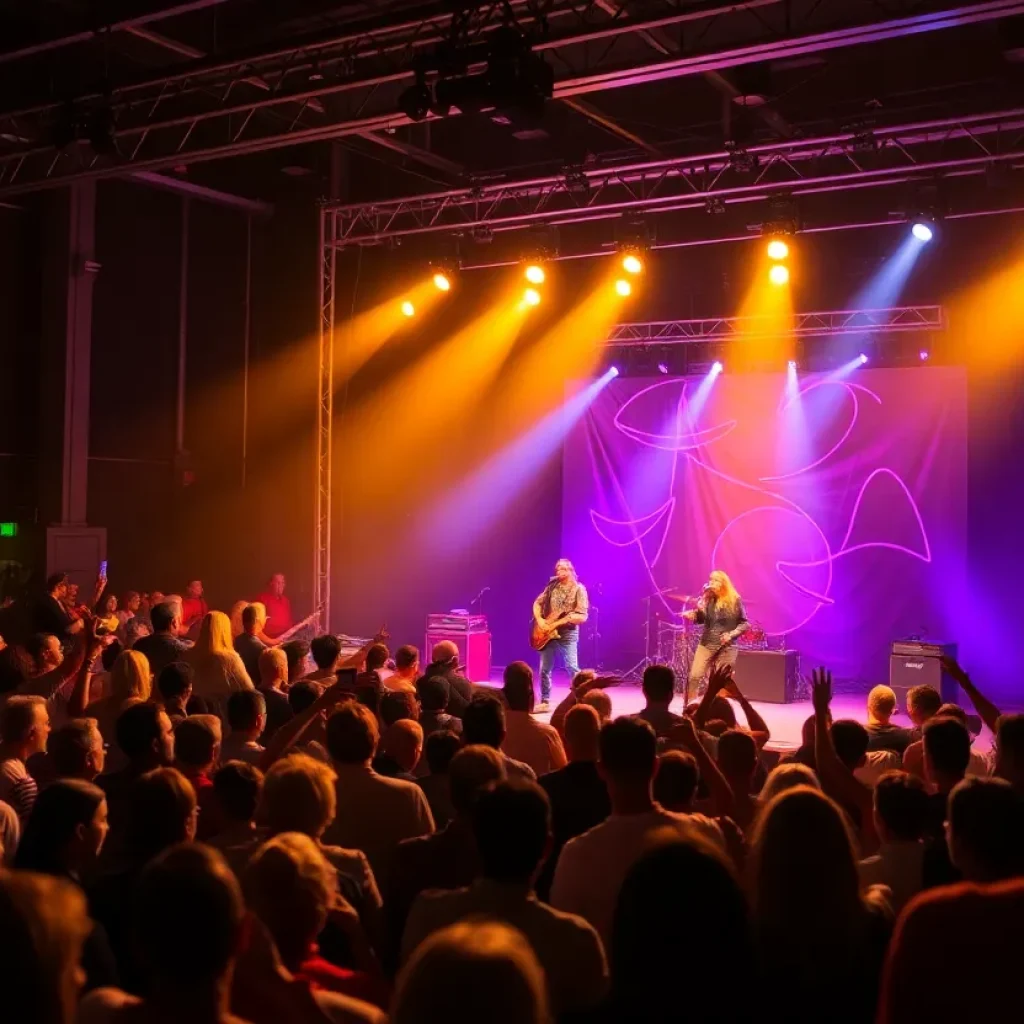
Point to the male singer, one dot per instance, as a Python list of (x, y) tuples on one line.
[(564, 596)]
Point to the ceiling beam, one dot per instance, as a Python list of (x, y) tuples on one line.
[(659, 41), (609, 124), (150, 139), (134, 21), (406, 149), (203, 192), (184, 50)]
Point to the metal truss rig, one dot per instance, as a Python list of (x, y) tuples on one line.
[(330, 86), (921, 150), (832, 324), (324, 427)]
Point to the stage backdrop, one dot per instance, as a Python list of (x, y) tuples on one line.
[(837, 505)]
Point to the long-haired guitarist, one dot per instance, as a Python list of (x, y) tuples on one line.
[(557, 614), (720, 612)]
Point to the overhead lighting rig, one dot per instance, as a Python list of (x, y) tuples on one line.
[(502, 75)]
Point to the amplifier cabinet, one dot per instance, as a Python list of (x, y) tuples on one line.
[(771, 676), (474, 651), (909, 670)]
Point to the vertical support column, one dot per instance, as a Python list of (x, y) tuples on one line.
[(246, 335), (179, 419), (324, 423), (81, 273)]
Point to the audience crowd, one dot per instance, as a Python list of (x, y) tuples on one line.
[(205, 818)]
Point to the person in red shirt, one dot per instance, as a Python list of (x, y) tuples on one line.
[(197, 742), (193, 607), (279, 608)]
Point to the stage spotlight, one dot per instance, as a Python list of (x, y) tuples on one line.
[(777, 249), (531, 297), (534, 273), (623, 287), (863, 358), (662, 368), (631, 263), (613, 371), (779, 274), (408, 309), (717, 367), (924, 356), (442, 282), (922, 231)]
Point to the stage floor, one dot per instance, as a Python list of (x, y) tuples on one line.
[(784, 720)]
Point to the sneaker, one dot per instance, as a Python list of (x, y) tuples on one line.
[(542, 708)]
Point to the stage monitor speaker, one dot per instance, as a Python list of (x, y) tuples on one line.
[(771, 676), (474, 652), (909, 670)]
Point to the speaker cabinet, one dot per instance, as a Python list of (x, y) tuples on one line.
[(474, 652), (771, 676), (909, 670)]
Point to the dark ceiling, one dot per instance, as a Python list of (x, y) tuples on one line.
[(252, 95)]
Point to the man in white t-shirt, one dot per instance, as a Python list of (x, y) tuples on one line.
[(593, 866), (25, 728)]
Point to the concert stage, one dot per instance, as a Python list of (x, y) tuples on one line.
[(784, 720)]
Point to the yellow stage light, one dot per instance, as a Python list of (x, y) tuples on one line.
[(534, 274), (779, 274), (632, 264), (442, 282), (623, 287), (777, 249), (408, 309), (531, 297)]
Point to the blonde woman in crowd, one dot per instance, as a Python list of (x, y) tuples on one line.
[(219, 671)]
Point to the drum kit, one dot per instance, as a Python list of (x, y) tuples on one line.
[(673, 641)]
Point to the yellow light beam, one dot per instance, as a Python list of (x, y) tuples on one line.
[(431, 400)]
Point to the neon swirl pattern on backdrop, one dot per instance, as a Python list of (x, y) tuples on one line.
[(689, 442)]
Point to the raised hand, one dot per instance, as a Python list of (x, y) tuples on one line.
[(721, 677), (335, 694), (952, 666), (684, 732), (382, 634), (821, 690)]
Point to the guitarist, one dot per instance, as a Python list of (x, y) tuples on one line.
[(279, 607), (562, 605)]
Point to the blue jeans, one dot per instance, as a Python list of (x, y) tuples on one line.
[(567, 646)]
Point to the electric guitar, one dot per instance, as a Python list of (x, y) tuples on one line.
[(542, 635)]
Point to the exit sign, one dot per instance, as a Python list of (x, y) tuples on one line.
[(8, 529)]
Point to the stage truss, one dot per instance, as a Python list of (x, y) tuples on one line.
[(660, 332), (331, 84), (811, 325)]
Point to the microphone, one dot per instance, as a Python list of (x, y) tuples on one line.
[(553, 579), (707, 586)]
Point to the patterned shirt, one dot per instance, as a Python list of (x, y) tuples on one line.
[(565, 599), (17, 787)]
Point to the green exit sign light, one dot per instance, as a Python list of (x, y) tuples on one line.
[(8, 529)]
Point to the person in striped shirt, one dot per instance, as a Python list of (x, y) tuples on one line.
[(24, 728)]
